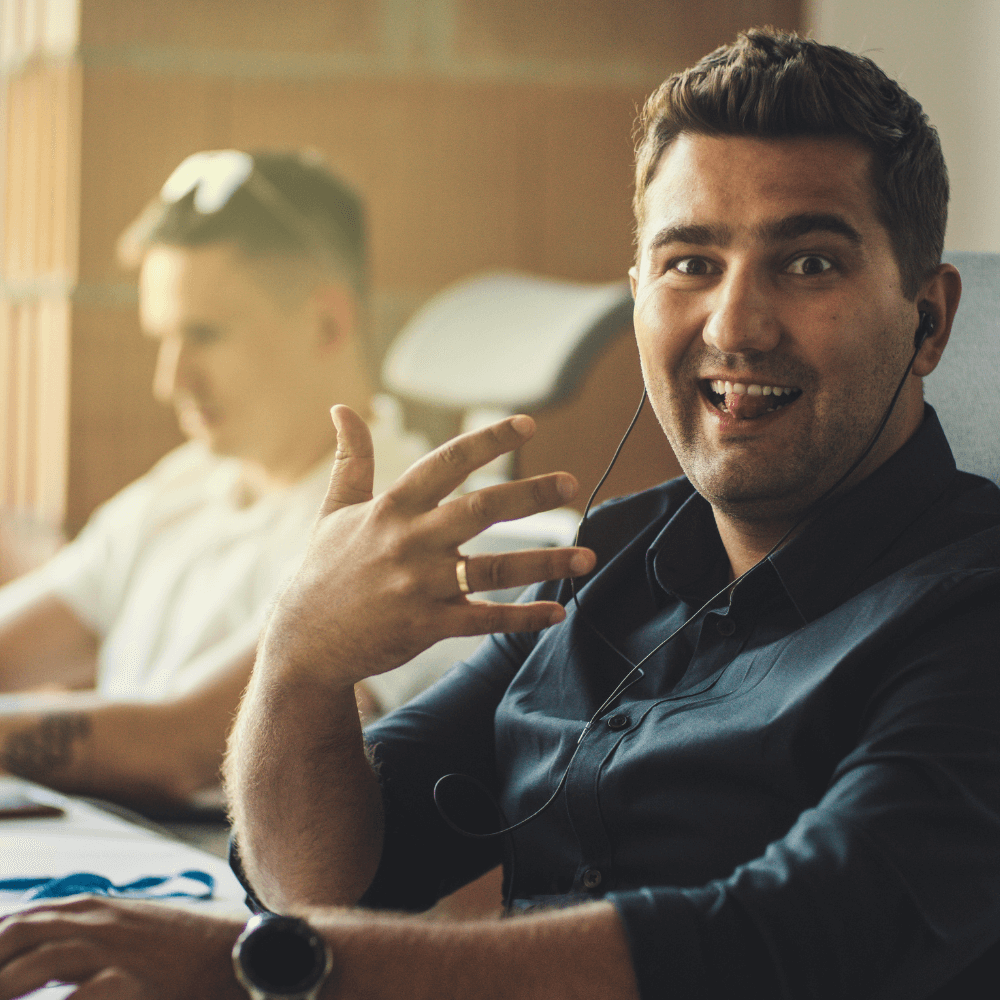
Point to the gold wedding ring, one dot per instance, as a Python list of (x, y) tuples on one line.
[(463, 579)]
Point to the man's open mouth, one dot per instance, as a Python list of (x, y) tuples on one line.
[(744, 401)]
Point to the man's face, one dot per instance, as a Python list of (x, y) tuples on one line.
[(232, 356), (770, 318)]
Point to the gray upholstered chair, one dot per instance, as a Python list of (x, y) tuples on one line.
[(961, 387), (502, 343)]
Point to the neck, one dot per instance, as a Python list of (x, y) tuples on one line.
[(259, 477)]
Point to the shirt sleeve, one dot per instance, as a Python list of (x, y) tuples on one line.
[(91, 573), (447, 730), (890, 886)]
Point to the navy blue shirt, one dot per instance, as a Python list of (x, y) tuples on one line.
[(798, 796)]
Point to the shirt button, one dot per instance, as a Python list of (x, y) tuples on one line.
[(617, 721), (591, 878), (726, 626)]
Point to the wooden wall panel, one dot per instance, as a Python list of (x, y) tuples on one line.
[(40, 198), (34, 377), (483, 135), (299, 26), (137, 127), (625, 33)]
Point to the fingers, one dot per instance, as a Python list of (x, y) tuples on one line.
[(518, 569), (436, 475), (353, 475), (461, 518), (65, 961), (513, 569), (485, 617)]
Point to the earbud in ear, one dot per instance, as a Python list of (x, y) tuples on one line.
[(924, 329)]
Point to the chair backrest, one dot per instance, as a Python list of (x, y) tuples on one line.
[(961, 387), (504, 342)]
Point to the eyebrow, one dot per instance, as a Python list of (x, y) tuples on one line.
[(700, 236), (795, 226), (790, 228)]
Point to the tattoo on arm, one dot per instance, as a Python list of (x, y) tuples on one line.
[(46, 747)]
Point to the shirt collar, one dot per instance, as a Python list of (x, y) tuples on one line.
[(687, 559), (819, 566)]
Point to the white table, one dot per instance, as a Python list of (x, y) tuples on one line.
[(87, 839)]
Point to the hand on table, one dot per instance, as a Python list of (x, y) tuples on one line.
[(378, 583), (119, 950)]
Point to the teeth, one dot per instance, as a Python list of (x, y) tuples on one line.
[(722, 388)]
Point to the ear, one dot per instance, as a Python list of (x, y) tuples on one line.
[(633, 279), (938, 296), (335, 312)]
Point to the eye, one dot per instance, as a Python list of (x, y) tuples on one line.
[(694, 266), (809, 264)]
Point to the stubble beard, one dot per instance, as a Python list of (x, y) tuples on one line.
[(781, 487)]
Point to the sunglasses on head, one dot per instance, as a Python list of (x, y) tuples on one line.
[(216, 175)]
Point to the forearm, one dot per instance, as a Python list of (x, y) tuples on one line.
[(43, 642), (306, 804), (135, 752), (377, 586), (576, 953)]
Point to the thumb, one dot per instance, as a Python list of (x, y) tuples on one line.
[(353, 475)]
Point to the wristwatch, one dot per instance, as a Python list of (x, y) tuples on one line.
[(281, 958)]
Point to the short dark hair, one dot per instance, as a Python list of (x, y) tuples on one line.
[(335, 216), (772, 84), (335, 213)]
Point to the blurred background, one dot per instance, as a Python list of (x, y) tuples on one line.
[(483, 134)]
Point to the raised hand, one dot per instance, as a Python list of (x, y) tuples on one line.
[(378, 583)]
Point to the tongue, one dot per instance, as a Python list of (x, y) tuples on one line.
[(743, 406)]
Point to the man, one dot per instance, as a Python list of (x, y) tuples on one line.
[(758, 756), (253, 282)]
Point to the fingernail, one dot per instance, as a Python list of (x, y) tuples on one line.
[(522, 424), (580, 563), (566, 487)]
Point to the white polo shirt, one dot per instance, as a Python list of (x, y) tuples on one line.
[(177, 578)]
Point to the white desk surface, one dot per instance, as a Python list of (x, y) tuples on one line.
[(87, 839)]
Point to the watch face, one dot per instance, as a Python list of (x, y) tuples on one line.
[(283, 956)]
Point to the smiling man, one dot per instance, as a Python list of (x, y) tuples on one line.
[(756, 751), (775, 321)]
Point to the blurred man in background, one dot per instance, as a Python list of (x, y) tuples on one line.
[(130, 648)]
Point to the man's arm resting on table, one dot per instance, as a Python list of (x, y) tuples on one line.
[(146, 752), (171, 954), (575, 953), (43, 642)]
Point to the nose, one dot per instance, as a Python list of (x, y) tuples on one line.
[(170, 371), (742, 316)]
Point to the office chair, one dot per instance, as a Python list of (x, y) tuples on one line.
[(961, 387), (497, 344)]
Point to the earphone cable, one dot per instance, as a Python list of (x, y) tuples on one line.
[(811, 511)]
